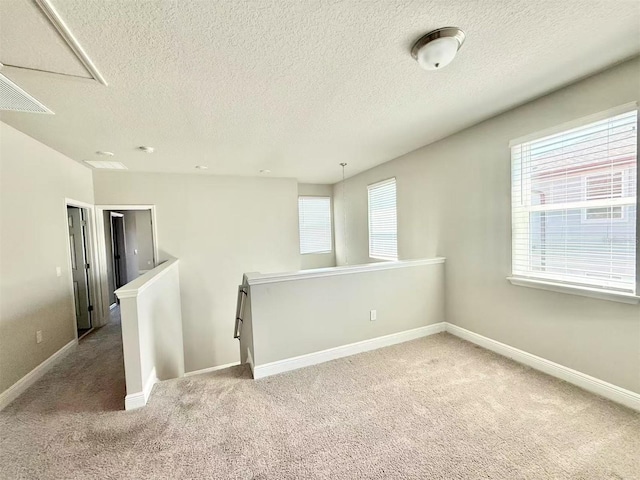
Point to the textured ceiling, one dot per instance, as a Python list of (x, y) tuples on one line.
[(299, 86), (29, 40)]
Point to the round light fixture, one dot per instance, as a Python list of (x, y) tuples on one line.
[(103, 153), (146, 149), (265, 171), (201, 167), (438, 48)]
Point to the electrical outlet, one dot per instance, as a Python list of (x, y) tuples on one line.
[(39, 336), (373, 315)]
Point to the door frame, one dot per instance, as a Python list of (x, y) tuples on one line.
[(94, 277), (113, 242), (102, 248)]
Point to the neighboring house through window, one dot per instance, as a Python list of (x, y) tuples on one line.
[(574, 203), (604, 185)]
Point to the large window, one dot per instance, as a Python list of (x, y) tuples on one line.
[(383, 229), (574, 203), (314, 214)]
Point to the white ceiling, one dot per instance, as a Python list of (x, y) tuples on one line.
[(295, 86)]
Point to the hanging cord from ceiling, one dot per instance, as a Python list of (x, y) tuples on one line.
[(344, 225)]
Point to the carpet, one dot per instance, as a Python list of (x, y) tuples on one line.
[(434, 408)]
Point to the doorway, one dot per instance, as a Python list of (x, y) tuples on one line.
[(119, 251), (79, 254), (129, 247)]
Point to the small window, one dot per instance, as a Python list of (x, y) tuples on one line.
[(314, 214), (604, 213), (383, 224), (574, 203), (602, 186)]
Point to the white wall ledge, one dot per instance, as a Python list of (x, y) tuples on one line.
[(256, 278), (576, 290), (134, 288)]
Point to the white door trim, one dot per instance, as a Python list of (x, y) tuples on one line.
[(97, 319)]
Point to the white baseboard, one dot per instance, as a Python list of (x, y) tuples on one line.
[(133, 401), (139, 399), (273, 368), (211, 369), (582, 380), (15, 390)]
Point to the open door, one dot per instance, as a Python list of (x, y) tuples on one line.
[(119, 250), (79, 267)]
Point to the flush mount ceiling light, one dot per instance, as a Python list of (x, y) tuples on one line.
[(104, 154), (146, 149), (265, 171), (201, 167), (438, 48)]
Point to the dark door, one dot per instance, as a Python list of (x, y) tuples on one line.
[(79, 267), (119, 260)]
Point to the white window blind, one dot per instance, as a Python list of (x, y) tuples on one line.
[(383, 229), (314, 214), (574, 203)]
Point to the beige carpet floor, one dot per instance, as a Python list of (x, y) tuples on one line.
[(435, 408)]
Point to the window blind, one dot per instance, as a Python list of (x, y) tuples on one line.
[(314, 214), (574, 204), (383, 235)]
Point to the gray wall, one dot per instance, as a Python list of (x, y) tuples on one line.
[(130, 245), (303, 316), (144, 236), (34, 240), (454, 201), (218, 227), (318, 260)]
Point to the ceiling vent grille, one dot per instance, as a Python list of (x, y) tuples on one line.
[(13, 98), (106, 164)]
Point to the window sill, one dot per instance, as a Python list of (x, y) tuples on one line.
[(575, 290)]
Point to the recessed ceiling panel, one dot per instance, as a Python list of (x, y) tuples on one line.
[(29, 40)]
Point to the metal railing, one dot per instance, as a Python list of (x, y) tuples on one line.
[(242, 298)]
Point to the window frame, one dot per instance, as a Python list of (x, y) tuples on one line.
[(570, 287), (331, 246), (370, 187)]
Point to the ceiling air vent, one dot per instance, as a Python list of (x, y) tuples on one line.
[(13, 98), (106, 164)]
